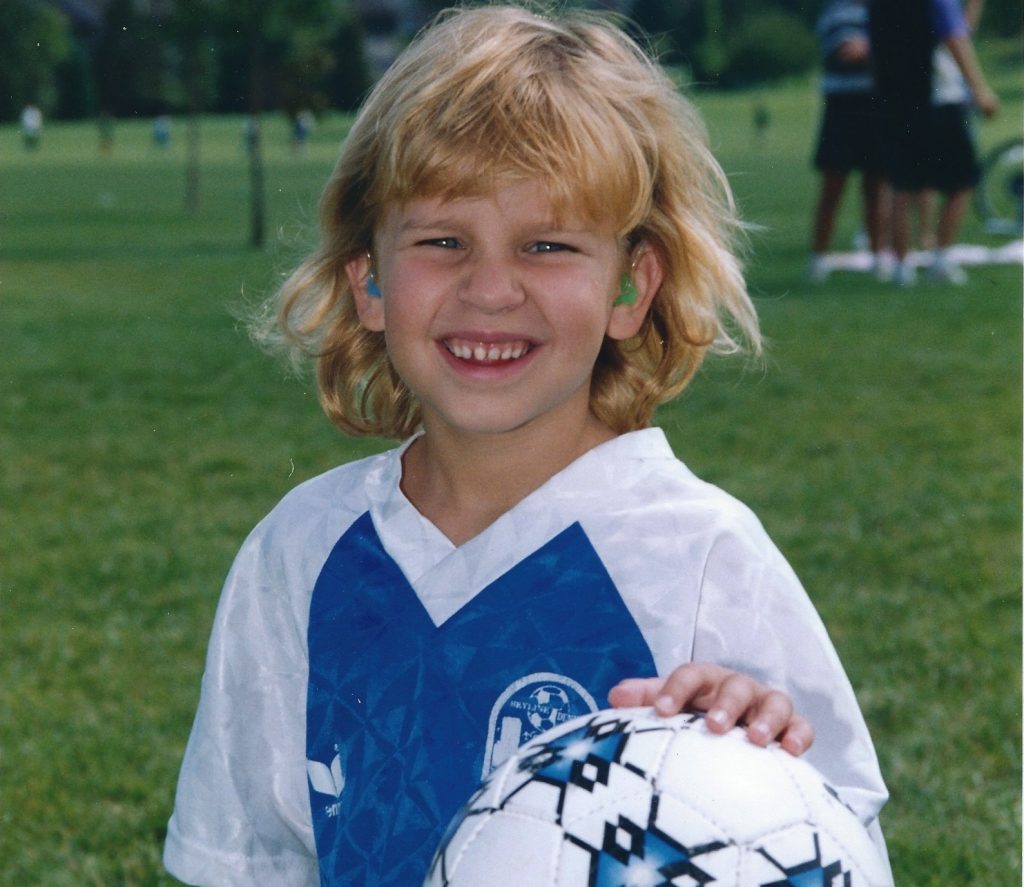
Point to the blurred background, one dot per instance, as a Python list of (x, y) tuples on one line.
[(80, 59), (168, 181)]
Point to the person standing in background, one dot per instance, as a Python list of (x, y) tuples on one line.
[(951, 101), (927, 144), (848, 139)]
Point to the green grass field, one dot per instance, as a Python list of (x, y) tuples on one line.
[(141, 436)]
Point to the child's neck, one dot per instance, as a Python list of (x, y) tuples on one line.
[(463, 483)]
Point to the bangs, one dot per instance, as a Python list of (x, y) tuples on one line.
[(523, 110)]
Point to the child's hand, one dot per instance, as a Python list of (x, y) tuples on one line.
[(728, 697)]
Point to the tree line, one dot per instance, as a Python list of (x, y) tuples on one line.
[(146, 57), (186, 57), (131, 59)]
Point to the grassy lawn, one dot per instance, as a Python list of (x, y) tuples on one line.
[(141, 437)]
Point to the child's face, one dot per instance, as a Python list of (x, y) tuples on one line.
[(494, 314)]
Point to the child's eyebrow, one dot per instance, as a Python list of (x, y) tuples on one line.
[(415, 224), (545, 225)]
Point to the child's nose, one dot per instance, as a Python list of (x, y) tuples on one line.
[(492, 285)]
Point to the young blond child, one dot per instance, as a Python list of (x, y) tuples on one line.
[(526, 248)]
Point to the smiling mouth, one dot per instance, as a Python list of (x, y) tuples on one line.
[(487, 352)]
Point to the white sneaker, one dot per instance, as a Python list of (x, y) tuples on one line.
[(817, 269), (883, 267), (904, 274), (947, 272)]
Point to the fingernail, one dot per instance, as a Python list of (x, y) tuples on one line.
[(665, 705), (718, 716), (761, 731)]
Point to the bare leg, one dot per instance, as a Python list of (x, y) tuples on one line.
[(925, 225), (900, 222), (951, 217), (829, 199), (904, 274), (876, 199)]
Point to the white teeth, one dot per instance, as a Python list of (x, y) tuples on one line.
[(487, 353)]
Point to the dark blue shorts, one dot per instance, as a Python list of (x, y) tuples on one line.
[(849, 139), (930, 148)]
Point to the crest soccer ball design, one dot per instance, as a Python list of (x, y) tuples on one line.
[(624, 798), (549, 702)]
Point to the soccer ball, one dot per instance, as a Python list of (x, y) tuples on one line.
[(624, 798)]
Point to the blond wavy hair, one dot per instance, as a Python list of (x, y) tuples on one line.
[(498, 94)]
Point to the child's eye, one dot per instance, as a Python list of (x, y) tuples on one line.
[(547, 246), (443, 242)]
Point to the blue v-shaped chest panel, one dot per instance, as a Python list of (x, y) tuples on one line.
[(404, 705)]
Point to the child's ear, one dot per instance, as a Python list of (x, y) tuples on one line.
[(370, 308), (628, 314)]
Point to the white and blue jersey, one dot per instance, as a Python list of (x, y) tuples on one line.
[(364, 673)]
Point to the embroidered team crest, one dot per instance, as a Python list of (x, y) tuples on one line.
[(528, 707)]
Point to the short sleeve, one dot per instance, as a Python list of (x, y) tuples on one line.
[(755, 617), (241, 814), (947, 19)]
